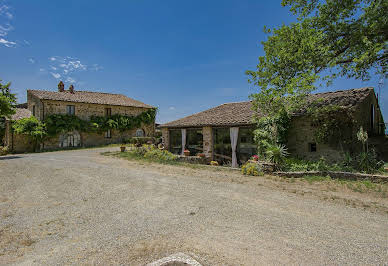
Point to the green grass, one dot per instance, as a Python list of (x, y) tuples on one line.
[(361, 186), (131, 156)]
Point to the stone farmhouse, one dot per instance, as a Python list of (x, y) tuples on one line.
[(226, 131), (83, 104)]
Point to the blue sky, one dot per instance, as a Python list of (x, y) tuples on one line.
[(181, 56)]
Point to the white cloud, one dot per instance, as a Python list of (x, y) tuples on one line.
[(55, 75), (66, 67), (70, 79), (31, 60), (5, 26), (7, 43), (42, 70), (171, 108)]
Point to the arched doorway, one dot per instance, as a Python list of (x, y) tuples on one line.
[(70, 139)]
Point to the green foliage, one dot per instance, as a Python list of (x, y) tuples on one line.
[(155, 154), (271, 130), (31, 127), (367, 162), (334, 37), (333, 124), (276, 153), (7, 101), (151, 154), (3, 150), (140, 140), (58, 123), (251, 169)]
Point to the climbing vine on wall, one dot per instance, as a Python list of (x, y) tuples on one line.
[(58, 123), (333, 124)]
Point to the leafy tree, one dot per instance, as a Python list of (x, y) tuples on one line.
[(7, 100), (330, 39), (31, 127)]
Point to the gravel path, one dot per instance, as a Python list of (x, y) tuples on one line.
[(79, 207)]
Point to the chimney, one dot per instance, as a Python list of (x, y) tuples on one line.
[(61, 87), (71, 88)]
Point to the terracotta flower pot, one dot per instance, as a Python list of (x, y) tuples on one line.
[(122, 148), (186, 153)]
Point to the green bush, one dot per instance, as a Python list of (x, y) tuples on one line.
[(367, 162), (298, 165), (3, 150), (155, 154), (251, 169), (152, 154), (276, 153), (140, 140)]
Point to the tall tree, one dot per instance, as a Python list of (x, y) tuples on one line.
[(330, 39), (7, 101)]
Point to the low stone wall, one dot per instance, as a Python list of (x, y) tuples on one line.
[(193, 159), (337, 175)]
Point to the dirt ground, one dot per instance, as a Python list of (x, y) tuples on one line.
[(80, 207)]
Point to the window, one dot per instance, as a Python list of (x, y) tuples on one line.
[(108, 112), (312, 147), (175, 141), (194, 141), (108, 134), (70, 109), (33, 110), (140, 133)]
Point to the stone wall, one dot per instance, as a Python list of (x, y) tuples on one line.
[(86, 110), (301, 134), (362, 116), (15, 142), (39, 106), (166, 138), (207, 133), (91, 139)]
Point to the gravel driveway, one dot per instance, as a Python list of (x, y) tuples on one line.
[(79, 207)]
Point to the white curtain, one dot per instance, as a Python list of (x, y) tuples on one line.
[(233, 142), (183, 139)]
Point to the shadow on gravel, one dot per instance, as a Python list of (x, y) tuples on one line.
[(9, 158)]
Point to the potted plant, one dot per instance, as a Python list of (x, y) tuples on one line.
[(201, 155), (186, 152)]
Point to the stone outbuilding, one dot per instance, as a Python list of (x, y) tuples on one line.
[(84, 105), (225, 132)]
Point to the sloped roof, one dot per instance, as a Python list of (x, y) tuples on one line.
[(241, 113), (21, 113), (89, 97)]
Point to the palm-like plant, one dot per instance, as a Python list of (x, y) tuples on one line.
[(276, 153)]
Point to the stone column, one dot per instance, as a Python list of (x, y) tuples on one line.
[(166, 137), (207, 133)]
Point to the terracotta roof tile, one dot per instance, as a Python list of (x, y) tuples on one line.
[(241, 113), (21, 113), (89, 97)]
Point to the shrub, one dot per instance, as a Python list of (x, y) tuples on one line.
[(276, 153), (367, 162), (3, 150), (214, 163), (155, 154), (251, 169), (140, 140), (32, 128)]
